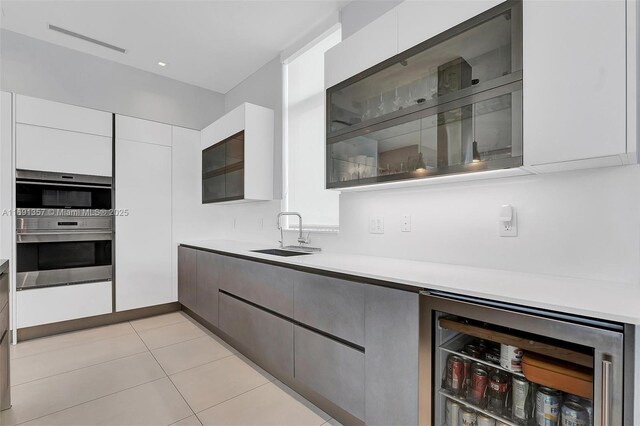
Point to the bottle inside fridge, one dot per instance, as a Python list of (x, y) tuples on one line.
[(492, 366)]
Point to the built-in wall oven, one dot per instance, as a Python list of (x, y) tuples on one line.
[(64, 229)]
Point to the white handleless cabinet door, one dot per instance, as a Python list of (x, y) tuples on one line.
[(55, 150), (574, 77), (143, 237)]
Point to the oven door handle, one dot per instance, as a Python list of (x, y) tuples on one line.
[(58, 236), (69, 184)]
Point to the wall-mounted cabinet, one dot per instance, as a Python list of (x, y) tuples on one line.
[(451, 104), (237, 156), (565, 121)]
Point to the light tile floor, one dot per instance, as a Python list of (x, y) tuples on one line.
[(163, 370)]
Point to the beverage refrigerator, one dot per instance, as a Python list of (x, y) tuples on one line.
[(486, 363)]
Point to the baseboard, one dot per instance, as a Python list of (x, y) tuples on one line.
[(318, 400), (28, 333)]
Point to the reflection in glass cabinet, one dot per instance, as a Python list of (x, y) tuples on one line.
[(449, 105)]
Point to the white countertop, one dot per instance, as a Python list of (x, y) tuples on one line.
[(608, 300)]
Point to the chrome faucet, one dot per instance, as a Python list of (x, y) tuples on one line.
[(301, 239)]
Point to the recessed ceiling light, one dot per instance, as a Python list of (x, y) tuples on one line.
[(162, 64)]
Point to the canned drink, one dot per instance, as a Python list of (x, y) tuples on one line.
[(455, 374), (473, 350), (498, 390), (468, 417), (485, 420), (587, 404), (467, 374), (478, 387), (482, 346), (521, 400), (547, 406), (452, 411), (573, 414), (493, 356), (511, 358)]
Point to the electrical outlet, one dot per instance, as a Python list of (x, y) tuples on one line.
[(376, 225), (405, 223), (507, 223)]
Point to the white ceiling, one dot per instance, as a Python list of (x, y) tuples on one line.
[(211, 44)]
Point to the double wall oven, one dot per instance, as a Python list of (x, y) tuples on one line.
[(64, 229)]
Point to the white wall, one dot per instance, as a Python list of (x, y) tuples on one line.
[(48, 71), (357, 14)]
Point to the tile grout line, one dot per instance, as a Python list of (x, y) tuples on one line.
[(233, 397), (90, 400), (101, 339), (79, 368), (167, 375), (201, 365)]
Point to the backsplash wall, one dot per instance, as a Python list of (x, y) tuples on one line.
[(563, 229)]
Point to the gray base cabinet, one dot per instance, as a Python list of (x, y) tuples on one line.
[(331, 369), (353, 344), (331, 305), (187, 271), (265, 285), (391, 362), (207, 285), (265, 337)]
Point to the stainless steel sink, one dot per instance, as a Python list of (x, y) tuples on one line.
[(280, 252)]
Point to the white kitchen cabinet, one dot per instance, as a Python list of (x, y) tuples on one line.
[(55, 150), (139, 130), (420, 20), (237, 156), (369, 46), (54, 304), (574, 76), (40, 112), (144, 236)]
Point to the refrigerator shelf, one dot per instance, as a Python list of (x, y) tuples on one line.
[(454, 345), (459, 400), (520, 342)]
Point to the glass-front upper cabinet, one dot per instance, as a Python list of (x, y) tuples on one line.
[(223, 170), (452, 104)]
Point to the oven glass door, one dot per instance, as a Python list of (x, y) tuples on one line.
[(31, 195), (44, 264)]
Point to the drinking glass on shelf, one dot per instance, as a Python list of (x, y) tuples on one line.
[(397, 101), (381, 107)]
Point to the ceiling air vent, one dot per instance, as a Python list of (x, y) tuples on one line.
[(85, 38)]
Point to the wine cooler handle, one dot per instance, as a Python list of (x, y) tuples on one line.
[(605, 412)]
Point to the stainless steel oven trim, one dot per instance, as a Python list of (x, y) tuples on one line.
[(59, 277), (56, 178), (66, 223), (608, 346), (54, 237)]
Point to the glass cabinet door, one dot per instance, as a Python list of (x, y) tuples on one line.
[(458, 137), (452, 104), (223, 170), (479, 56)]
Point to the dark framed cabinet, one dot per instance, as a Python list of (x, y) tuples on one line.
[(237, 156)]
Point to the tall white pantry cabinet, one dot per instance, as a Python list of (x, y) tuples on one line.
[(143, 227)]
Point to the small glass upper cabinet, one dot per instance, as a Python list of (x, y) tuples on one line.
[(449, 105)]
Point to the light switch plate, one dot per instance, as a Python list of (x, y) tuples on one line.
[(405, 223), (376, 225)]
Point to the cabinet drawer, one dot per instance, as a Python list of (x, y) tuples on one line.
[(187, 277), (332, 305), (4, 290), (264, 285), (266, 338), (331, 369), (208, 275)]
